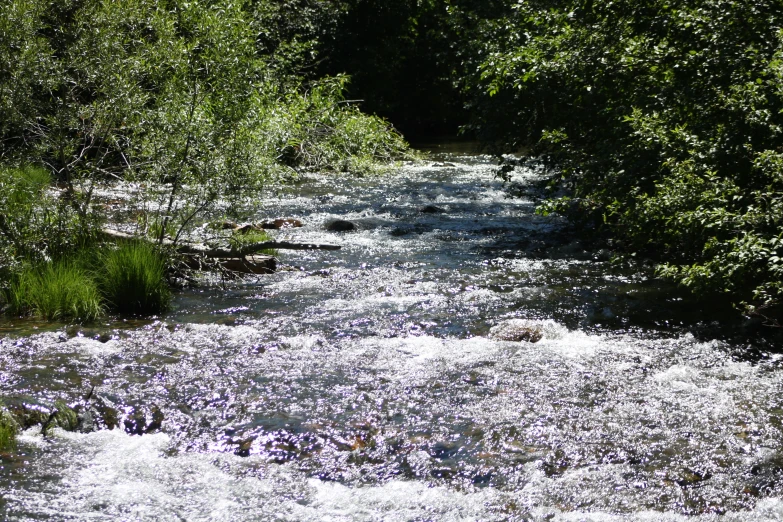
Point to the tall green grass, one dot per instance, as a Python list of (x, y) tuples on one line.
[(55, 290), (132, 279)]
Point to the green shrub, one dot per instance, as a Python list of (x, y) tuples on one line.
[(663, 122), (316, 129), (55, 290), (132, 279)]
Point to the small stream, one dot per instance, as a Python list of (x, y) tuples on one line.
[(366, 384)]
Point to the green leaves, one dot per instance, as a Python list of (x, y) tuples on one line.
[(183, 98), (664, 119)]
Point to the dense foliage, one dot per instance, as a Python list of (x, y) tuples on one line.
[(196, 104), (663, 120)]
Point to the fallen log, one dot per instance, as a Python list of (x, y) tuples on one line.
[(207, 251), (253, 264), (245, 260)]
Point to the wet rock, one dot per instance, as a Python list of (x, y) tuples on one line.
[(278, 224), (103, 336), (445, 164), (157, 420), (404, 230), (340, 225), (243, 446), (602, 255), (27, 415), (516, 330), (687, 477), (72, 331), (765, 476), (135, 422), (97, 334), (252, 264), (109, 415), (555, 464), (432, 209), (85, 422)]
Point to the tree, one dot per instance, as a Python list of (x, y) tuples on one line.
[(663, 120)]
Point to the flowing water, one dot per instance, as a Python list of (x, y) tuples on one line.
[(365, 384)]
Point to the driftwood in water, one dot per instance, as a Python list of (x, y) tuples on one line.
[(244, 260), (253, 264), (204, 250)]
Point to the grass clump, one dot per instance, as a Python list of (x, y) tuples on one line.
[(55, 290), (132, 279)]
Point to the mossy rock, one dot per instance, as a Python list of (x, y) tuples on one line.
[(9, 428)]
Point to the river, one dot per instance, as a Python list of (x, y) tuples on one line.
[(366, 383)]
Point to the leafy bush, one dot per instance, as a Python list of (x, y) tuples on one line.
[(132, 279), (199, 102), (55, 290), (315, 129), (663, 121), (35, 225)]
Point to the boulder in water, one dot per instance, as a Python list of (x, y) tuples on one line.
[(340, 225), (143, 420), (516, 330), (432, 209)]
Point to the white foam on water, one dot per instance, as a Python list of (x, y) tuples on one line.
[(94, 347), (117, 476), (400, 501)]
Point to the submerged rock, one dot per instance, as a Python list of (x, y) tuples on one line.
[(85, 422), (143, 420), (516, 330), (136, 422), (340, 225), (432, 209)]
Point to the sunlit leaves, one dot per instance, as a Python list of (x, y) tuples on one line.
[(669, 116)]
